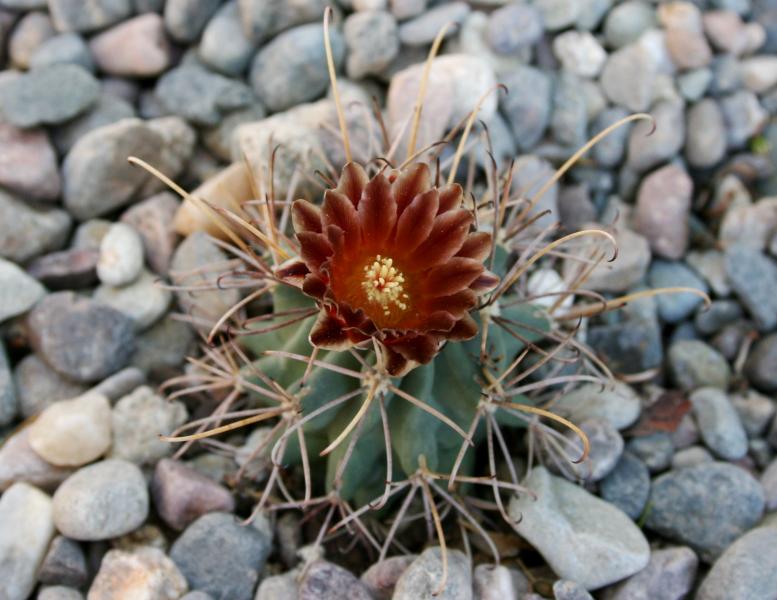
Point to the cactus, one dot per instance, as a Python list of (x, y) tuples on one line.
[(394, 340)]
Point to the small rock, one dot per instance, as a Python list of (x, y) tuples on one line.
[(691, 456), (558, 14), (107, 110), (291, 69), (627, 21), (753, 277), (32, 31), (580, 53), (160, 350), (39, 386), (71, 433), (181, 495), (694, 364), (71, 15), (59, 592), (570, 116), (632, 345), (692, 85), (647, 151), (529, 174), (725, 501), (28, 165), (20, 463), (610, 151), (710, 264), (262, 19), (670, 574), (186, 19), (719, 423), (627, 79), (153, 220), (627, 486), (582, 538), (221, 557), (655, 450), (18, 291), (755, 412), (218, 140), (64, 564), (687, 49), (496, 582), (528, 105), (421, 579), (424, 28), (759, 73), (675, 307), (748, 224), (381, 578), (726, 76), (372, 41), (513, 27), (606, 447), (224, 45), (49, 95), (27, 232), (663, 207), (192, 255), (744, 117), (26, 528), (145, 300), (80, 338), (98, 178), (102, 501), (65, 48), (120, 384), (760, 366), (144, 573), (627, 270), (121, 256), (719, 314), (66, 269), (726, 31), (747, 569), (570, 590), (199, 95), (138, 420), (769, 484), (137, 47)]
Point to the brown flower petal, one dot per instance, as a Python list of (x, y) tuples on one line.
[(305, 217), (314, 248), (328, 333), (353, 179), (416, 222), (457, 304), (338, 210), (420, 348), (396, 364), (464, 329), (452, 277), (450, 197), (414, 180), (377, 212), (477, 246), (292, 271), (440, 320), (314, 286), (336, 238), (486, 282), (445, 240)]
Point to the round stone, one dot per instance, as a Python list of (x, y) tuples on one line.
[(421, 578), (121, 256), (144, 300), (663, 210), (705, 145), (372, 42), (719, 424), (694, 364), (513, 27), (71, 433), (134, 48), (579, 52), (28, 165), (18, 291), (102, 501), (65, 48), (224, 45), (670, 574), (144, 572), (627, 486)]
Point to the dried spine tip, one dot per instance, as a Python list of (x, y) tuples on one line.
[(383, 284)]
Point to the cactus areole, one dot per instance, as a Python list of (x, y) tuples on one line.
[(393, 259)]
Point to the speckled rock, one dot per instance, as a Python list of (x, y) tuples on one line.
[(606, 447), (513, 27), (381, 578), (138, 420), (582, 538), (224, 45), (220, 556), (145, 300), (160, 350), (27, 232), (725, 500), (627, 270), (372, 42), (424, 28), (670, 575), (753, 277), (71, 433), (65, 48), (80, 338), (108, 109), (185, 19), (18, 291), (627, 78), (20, 463), (102, 501), (144, 574), (421, 579), (264, 18), (627, 486), (579, 53), (26, 528), (694, 364), (64, 564), (719, 423), (646, 152)]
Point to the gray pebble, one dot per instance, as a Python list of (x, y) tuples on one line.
[(761, 365), (81, 339), (569, 590), (755, 411), (104, 500), (753, 277), (558, 14), (627, 78), (654, 450), (693, 84), (421, 579), (675, 307), (221, 557), (610, 151), (107, 110), (64, 564), (199, 95), (262, 19), (9, 405), (724, 499), (719, 423), (65, 48), (744, 117), (705, 144), (121, 256), (670, 575), (570, 119), (718, 315), (32, 30), (185, 19), (160, 350), (424, 28), (627, 486), (48, 95), (291, 69), (18, 291), (38, 386), (662, 216), (59, 592), (691, 456), (627, 21), (372, 41), (647, 151), (224, 46), (513, 27), (694, 364), (74, 15), (528, 105)]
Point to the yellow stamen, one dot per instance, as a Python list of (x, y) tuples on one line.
[(383, 283)]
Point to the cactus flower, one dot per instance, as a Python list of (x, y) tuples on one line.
[(391, 258)]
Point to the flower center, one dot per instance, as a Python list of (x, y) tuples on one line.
[(384, 284)]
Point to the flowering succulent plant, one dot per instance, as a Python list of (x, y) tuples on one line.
[(389, 338)]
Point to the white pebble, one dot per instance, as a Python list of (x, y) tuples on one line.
[(121, 255)]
